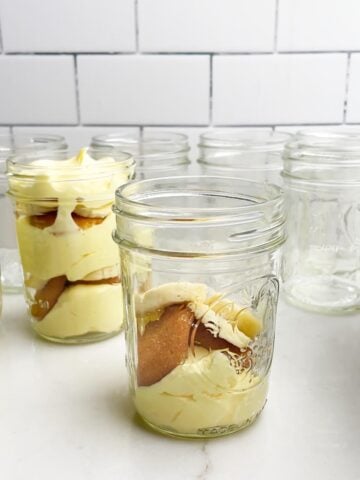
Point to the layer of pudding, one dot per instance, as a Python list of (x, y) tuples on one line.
[(83, 309), (205, 392), (71, 250)]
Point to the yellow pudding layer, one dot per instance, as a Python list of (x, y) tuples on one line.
[(83, 309), (204, 392), (79, 180), (46, 254)]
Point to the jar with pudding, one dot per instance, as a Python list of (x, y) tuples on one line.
[(11, 144), (64, 220), (254, 154), (157, 154), (200, 260)]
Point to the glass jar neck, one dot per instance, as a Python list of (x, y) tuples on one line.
[(245, 149), (158, 151), (200, 216), (323, 158), (11, 144)]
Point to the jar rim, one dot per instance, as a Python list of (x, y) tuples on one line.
[(30, 142), (249, 216), (124, 202), (328, 145), (244, 140), (146, 146)]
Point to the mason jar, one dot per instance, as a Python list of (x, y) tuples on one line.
[(64, 220), (157, 154), (321, 269), (253, 154), (9, 258), (200, 260)]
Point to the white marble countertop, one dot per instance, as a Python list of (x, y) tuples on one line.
[(65, 412)]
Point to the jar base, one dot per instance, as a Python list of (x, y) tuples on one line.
[(323, 294), (90, 337), (202, 433)]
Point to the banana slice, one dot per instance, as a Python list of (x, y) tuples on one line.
[(169, 294), (96, 212), (242, 317), (218, 325), (103, 273)]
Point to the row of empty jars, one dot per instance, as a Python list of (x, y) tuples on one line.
[(248, 153), (11, 145)]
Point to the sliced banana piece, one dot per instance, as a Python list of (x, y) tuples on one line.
[(242, 317), (103, 273), (218, 325), (95, 212), (169, 294)]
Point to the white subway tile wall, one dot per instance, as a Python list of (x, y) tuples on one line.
[(273, 89), (134, 89), (68, 25), (83, 66), (318, 25), (37, 89), (206, 26)]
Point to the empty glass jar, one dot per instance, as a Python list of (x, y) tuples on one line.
[(321, 268), (9, 258), (64, 220), (253, 154), (157, 154), (200, 259)]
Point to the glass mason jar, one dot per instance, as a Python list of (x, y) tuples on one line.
[(12, 279), (64, 221), (200, 257), (321, 268), (245, 153), (157, 154)]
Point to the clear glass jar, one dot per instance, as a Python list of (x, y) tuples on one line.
[(200, 258), (64, 220), (321, 268), (245, 153), (9, 257), (157, 154), (1, 300)]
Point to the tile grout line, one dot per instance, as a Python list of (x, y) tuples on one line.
[(211, 90), (347, 81), (169, 125), (1, 41), (77, 91), (136, 20), (276, 25), (215, 54)]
